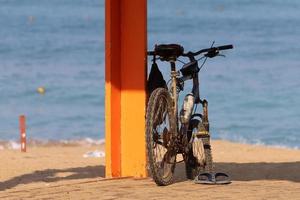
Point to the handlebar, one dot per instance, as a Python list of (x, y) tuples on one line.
[(225, 47), (150, 53), (212, 49)]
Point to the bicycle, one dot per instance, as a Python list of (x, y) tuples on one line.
[(169, 133)]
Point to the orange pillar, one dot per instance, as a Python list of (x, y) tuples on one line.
[(125, 82)]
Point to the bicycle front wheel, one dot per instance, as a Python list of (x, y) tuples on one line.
[(159, 135)]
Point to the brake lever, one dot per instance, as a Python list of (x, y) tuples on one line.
[(212, 53)]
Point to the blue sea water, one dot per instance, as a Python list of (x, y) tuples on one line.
[(57, 44), (253, 93)]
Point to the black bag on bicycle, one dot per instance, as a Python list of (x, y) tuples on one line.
[(155, 79)]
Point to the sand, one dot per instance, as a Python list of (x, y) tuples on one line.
[(61, 172)]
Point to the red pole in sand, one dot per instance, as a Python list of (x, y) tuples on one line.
[(22, 133)]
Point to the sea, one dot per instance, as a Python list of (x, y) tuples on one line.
[(253, 92)]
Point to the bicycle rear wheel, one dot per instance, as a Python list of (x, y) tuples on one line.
[(159, 133), (199, 157)]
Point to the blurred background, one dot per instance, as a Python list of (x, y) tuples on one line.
[(253, 93), (58, 45)]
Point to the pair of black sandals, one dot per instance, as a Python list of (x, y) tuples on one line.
[(218, 178)]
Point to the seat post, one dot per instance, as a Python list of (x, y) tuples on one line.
[(174, 89)]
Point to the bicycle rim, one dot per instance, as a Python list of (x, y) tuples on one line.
[(161, 157)]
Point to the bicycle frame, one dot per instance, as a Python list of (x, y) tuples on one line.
[(174, 95)]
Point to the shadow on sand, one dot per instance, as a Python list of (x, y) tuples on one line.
[(54, 175), (286, 171)]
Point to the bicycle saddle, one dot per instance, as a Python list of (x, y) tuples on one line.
[(168, 52)]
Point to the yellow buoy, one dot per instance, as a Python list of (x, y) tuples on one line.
[(41, 90)]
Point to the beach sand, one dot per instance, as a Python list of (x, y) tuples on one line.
[(61, 172)]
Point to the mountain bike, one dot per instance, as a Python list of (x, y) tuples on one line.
[(170, 133)]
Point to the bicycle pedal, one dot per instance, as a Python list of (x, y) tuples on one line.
[(202, 134)]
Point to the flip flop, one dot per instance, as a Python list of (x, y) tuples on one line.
[(205, 178), (221, 178)]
